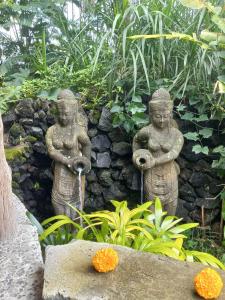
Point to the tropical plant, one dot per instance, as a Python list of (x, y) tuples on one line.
[(99, 36), (138, 228), (210, 44)]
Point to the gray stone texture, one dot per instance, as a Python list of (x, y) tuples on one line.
[(100, 143), (21, 272), (103, 160), (121, 148), (105, 122), (139, 275)]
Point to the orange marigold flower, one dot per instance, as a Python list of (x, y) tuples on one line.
[(105, 260), (208, 284)]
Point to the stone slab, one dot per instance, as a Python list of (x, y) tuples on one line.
[(139, 275), (21, 265)]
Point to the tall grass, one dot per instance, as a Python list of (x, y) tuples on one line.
[(100, 38)]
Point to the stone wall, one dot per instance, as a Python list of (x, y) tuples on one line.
[(112, 176)]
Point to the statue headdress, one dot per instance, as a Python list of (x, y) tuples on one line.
[(160, 101)]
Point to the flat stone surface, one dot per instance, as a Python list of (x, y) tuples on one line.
[(139, 275), (103, 160), (21, 266)]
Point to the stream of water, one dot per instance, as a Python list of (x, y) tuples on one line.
[(142, 187), (80, 194)]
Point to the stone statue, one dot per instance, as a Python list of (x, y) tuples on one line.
[(155, 147), (69, 146), (7, 208)]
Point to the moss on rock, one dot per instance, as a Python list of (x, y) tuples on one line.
[(16, 130), (30, 139), (16, 152)]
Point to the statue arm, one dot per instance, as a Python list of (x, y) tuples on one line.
[(85, 143), (53, 153), (138, 139), (173, 153)]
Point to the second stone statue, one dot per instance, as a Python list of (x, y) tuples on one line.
[(69, 146), (155, 148)]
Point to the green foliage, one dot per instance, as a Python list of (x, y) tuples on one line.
[(138, 228), (222, 197), (114, 69), (94, 56), (132, 116), (62, 236), (219, 163), (206, 241), (16, 152)]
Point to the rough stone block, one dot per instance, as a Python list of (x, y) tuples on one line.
[(139, 275)]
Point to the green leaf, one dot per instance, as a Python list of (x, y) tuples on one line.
[(137, 98), (55, 218), (183, 227), (35, 222), (222, 77), (188, 116), (206, 132), (220, 149), (222, 195), (200, 149), (202, 118), (212, 36), (181, 107), (118, 119), (222, 55), (195, 4), (55, 226), (116, 109), (220, 22), (144, 67), (136, 107), (220, 87), (140, 118), (158, 212), (193, 136), (206, 259), (214, 9), (134, 58), (129, 125)]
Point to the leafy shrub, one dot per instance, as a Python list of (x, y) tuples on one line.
[(139, 228)]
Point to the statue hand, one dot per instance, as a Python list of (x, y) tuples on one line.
[(69, 163)]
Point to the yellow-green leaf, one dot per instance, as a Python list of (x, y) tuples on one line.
[(220, 22), (195, 4), (55, 226)]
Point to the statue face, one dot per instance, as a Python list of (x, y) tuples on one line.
[(66, 117), (161, 119)]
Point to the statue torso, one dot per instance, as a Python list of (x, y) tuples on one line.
[(66, 140), (160, 142), (162, 179)]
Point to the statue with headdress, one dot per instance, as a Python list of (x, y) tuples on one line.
[(69, 146), (155, 148)]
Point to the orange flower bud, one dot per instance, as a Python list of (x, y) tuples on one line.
[(105, 260), (208, 284)]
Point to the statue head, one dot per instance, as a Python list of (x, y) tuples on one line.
[(161, 108), (67, 107)]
